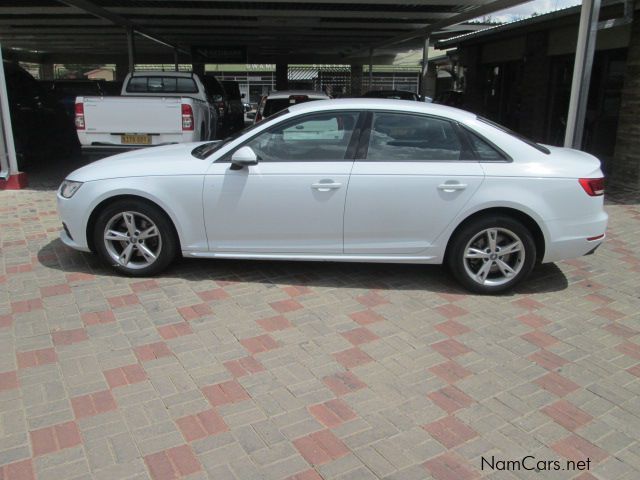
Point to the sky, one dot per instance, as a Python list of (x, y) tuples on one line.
[(536, 6)]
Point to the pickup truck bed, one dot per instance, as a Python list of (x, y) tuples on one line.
[(155, 108), (133, 121)]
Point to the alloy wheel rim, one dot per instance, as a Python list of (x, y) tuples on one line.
[(494, 257), (132, 240)]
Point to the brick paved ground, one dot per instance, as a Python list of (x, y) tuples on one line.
[(253, 370)]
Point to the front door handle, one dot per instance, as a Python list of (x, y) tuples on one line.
[(325, 187), (452, 187)]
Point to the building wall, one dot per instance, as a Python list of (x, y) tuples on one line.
[(522, 80), (627, 151)]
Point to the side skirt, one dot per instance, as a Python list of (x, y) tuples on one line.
[(313, 257)]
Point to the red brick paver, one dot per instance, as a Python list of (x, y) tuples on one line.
[(174, 463), (58, 437), (321, 447), (298, 371)]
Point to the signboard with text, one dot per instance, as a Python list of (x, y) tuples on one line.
[(219, 54)]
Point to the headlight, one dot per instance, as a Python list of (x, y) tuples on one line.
[(69, 188)]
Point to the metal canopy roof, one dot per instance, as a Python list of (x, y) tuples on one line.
[(330, 31)]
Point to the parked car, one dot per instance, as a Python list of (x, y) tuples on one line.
[(236, 106), (155, 108), (219, 97), (66, 91), (42, 129), (280, 100), (393, 95), (427, 184), (452, 98)]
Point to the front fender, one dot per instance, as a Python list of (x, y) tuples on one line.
[(180, 197)]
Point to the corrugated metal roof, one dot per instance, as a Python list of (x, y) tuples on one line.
[(326, 31)]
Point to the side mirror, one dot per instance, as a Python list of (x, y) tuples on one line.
[(243, 157)]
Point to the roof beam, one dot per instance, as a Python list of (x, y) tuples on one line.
[(116, 19), (486, 9), (355, 2)]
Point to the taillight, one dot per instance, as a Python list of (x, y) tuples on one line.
[(187, 117), (593, 186), (79, 116)]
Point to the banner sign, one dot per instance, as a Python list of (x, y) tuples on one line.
[(219, 54)]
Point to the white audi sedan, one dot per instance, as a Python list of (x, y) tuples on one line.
[(355, 180)]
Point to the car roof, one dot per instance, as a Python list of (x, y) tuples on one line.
[(390, 91), (287, 93), (383, 104), (158, 73)]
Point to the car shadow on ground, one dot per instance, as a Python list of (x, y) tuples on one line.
[(402, 277)]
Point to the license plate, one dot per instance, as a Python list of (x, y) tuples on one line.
[(136, 139)]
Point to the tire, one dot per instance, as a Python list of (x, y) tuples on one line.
[(506, 268), (142, 242)]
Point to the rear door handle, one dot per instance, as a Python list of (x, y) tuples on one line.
[(452, 187), (325, 187)]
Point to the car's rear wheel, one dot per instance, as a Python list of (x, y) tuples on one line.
[(135, 238), (492, 254)]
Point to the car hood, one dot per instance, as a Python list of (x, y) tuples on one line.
[(153, 161)]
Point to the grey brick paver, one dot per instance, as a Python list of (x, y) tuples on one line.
[(256, 421)]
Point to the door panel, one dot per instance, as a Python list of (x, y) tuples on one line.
[(401, 208), (274, 207), (412, 183), (293, 200)]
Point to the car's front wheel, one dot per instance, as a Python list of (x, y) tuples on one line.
[(492, 254), (135, 238)]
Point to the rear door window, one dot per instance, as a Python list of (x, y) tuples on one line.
[(404, 137)]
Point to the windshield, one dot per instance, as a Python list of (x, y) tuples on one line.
[(206, 149), (522, 138)]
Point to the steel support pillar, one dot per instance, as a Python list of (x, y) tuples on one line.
[(585, 48), (356, 79), (425, 67), (131, 49), (282, 76), (10, 177), (370, 68), (46, 71)]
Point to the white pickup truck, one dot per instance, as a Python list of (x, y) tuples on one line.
[(155, 108)]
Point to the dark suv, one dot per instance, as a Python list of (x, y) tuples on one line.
[(42, 129), (236, 106)]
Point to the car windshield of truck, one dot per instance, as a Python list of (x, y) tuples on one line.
[(522, 138), (206, 149), (158, 84), (274, 105)]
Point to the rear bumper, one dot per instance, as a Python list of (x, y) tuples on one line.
[(97, 141), (570, 238), (106, 149)]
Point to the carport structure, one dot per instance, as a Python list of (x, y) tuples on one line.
[(125, 32)]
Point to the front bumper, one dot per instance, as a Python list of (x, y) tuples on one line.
[(73, 213), (69, 242)]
